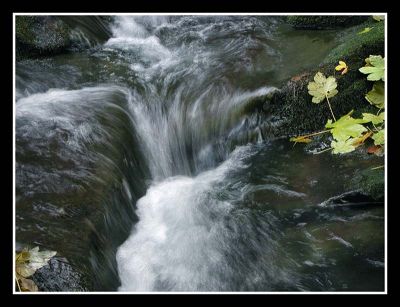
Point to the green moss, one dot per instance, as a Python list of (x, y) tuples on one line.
[(356, 47), (323, 22)]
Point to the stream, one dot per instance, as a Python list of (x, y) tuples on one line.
[(137, 160)]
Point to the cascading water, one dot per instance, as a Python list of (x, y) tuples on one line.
[(157, 117)]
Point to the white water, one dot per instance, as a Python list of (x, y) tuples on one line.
[(177, 244), (181, 241)]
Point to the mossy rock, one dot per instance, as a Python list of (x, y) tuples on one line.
[(292, 103), (324, 22), (371, 182), (355, 47), (40, 35)]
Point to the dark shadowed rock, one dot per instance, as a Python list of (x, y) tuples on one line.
[(58, 275), (40, 35), (324, 22)]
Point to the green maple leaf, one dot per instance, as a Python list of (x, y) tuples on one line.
[(376, 96), (322, 87), (340, 147), (375, 119), (375, 68), (379, 137), (346, 127)]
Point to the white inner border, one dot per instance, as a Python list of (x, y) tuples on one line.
[(215, 14)]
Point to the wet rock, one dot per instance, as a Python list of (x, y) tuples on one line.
[(58, 275), (40, 35), (324, 22), (371, 182), (354, 199)]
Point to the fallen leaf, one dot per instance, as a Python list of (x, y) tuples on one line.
[(375, 119), (300, 139), (378, 17), (27, 285), (379, 137), (340, 147), (346, 127), (373, 149), (342, 66), (360, 140), (322, 87), (366, 30), (376, 96), (375, 68)]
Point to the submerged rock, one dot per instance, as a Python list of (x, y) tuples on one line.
[(371, 182), (324, 22), (354, 199)]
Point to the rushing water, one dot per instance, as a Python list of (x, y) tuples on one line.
[(153, 126)]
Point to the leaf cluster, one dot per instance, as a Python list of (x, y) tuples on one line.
[(27, 262)]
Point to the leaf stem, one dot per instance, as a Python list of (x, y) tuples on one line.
[(380, 166), (19, 288), (319, 152), (330, 108), (315, 133)]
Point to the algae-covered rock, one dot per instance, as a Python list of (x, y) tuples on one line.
[(324, 22), (40, 35), (355, 46)]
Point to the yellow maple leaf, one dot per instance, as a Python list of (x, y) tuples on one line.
[(342, 66)]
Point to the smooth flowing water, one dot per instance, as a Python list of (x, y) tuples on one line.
[(150, 130)]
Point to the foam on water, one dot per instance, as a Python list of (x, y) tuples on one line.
[(177, 242)]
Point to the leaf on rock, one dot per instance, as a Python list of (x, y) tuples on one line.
[(346, 127), (360, 140), (24, 270), (374, 150), (378, 17), (22, 256), (39, 259), (375, 119), (27, 263), (376, 96), (322, 87), (342, 66), (366, 30), (27, 285), (375, 68), (340, 147), (379, 137), (300, 139)]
